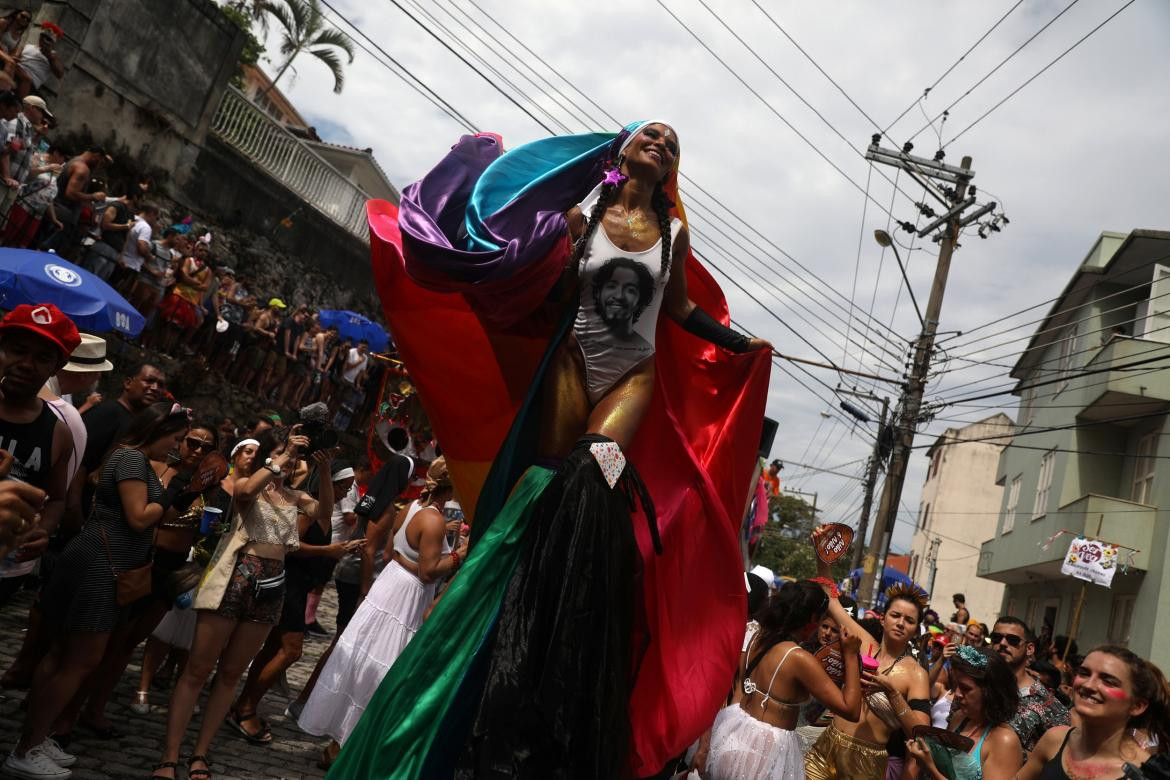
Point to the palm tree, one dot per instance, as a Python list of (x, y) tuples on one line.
[(305, 29)]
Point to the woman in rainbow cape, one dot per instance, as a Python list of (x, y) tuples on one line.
[(602, 419)]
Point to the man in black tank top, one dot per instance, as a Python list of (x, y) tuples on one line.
[(35, 341)]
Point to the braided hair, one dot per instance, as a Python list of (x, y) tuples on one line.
[(658, 200)]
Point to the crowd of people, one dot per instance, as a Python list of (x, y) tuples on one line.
[(133, 521), (60, 200), (823, 694)]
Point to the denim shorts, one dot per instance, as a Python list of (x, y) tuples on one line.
[(243, 601)]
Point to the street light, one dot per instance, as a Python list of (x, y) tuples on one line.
[(884, 239)]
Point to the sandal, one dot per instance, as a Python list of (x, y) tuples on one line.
[(261, 737), (164, 765), (201, 774)]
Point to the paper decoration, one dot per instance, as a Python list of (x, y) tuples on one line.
[(834, 542), (611, 460), (1090, 560)]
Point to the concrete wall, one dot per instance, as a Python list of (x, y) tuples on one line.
[(228, 187), (146, 75)]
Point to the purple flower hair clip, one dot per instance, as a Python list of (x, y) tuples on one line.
[(615, 177)]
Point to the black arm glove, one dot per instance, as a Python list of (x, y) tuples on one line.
[(705, 327), (173, 496)]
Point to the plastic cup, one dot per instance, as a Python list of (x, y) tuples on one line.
[(210, 519), (869, 664)]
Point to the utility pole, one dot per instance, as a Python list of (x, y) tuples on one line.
[(932, 556), (875, 463), (956, 200)]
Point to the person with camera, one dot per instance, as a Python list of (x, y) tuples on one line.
[(306, 568), (241, 596)]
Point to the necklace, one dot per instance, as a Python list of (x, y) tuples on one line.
[(636, 223)]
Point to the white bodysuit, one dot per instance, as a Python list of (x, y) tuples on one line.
[(617, 314)]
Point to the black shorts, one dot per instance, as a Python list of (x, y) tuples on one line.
[(296, 599)]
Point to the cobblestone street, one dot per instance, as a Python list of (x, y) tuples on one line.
[(291, 755)]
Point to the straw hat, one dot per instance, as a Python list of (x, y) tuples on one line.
[(90, 355)]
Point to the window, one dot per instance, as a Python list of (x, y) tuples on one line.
[(1153, 314), (935, 458), (1119, 618), (1027, 404), (924, 521), (1067, 348), (1043, 483), (1009, 511), (1143, 468)]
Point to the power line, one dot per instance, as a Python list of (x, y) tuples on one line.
[(1051, 429), (480, 59), (990, 73), (768, 105), (420, 86), (478, 72), (947, 72), (1012, 94)]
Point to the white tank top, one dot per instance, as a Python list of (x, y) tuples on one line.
[(403, 546), (617, 312)]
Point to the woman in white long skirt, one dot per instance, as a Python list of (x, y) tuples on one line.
[(753, 737), (389, 615)]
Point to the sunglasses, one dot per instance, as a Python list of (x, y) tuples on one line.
[(1011, 639), (199, 444)]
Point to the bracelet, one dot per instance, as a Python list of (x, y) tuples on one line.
[(834, 591), (455, 557), (903, 712)]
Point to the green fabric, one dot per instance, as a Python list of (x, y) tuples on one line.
[(398, 727)]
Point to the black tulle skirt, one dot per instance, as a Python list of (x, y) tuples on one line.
[(567, 641)]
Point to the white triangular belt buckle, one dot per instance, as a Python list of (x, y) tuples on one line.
[(610, 459)]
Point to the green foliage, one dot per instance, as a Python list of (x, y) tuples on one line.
[(253, 47), (784, 546), (304, 28)]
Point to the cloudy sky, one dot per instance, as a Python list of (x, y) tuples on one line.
[(1080, 150)]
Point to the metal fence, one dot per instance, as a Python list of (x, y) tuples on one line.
[(260, 138)]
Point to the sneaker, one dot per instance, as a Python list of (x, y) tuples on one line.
[(35, 765), (315, 629), (58, 756), (141, 703), (294, 710)]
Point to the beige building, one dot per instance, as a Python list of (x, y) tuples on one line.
[(957, 513)]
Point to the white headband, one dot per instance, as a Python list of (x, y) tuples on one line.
[(341, 474), (243, 443)]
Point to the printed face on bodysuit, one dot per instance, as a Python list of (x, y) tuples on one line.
[(621, 291)]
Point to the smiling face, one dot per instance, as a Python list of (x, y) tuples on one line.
[(1103, 689), (653, 150), (973, 636), (145, 388)]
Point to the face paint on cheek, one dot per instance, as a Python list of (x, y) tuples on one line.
[(1117, 694)]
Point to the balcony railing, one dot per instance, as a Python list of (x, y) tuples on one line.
[(254, 134)]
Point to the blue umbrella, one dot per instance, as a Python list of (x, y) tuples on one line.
[(355, 327), (42, 277), (890, 576)]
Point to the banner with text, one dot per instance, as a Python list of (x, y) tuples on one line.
[(1091, 560)]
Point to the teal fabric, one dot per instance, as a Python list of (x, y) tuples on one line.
[(522, 169)]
